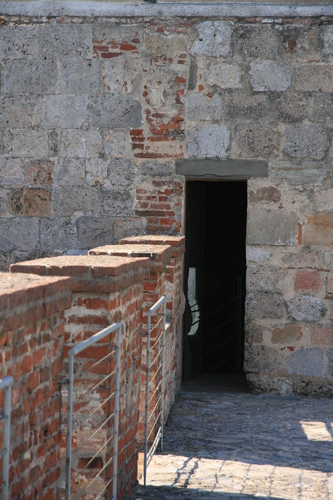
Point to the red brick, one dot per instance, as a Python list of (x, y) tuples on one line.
[(307, 280)]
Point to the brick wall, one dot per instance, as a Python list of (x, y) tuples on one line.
[(31, 340)]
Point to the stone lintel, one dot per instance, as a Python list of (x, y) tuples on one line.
[(221, 169)]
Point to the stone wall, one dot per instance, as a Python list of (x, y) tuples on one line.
[(95, 111)]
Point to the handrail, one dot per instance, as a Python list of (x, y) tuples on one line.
[(6, 384)]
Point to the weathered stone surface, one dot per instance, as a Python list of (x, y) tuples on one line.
[(322, 335), (94, 231), (26, 143), (81, 143), (40, 172), (63, 41), (201, 107), (153, 168), (313, 77), (308, 362), (3, 201), (219, 74), (64, 112), (214, 39), (306, 141), (323, 199), (264, 305), (20, 111), (272, 228), (29, 202), (128, 226), (268, 194), (58, 234), (322, 108), (318, 230), (208, 141), (66, 201), (121, 173), (96, 171), (79, 77), (116, 143), (257, 255), (69, 172), (306, 308), (255, 141), (261, 359), (221, 169), (116, 203), (304, 173), (15, 201), (259, 42), (162, 44), (29, 77), (330, 283), (254, 333), (270, 75), (287, 335), (19, 233), (11, 172), (307, 280), (17, 42), (265, 278), (328, 39), (114, 111)]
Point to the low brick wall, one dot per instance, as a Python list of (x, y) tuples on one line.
[(105, 290), (31, 341)]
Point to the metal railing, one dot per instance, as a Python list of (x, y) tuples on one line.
[(6, 384), (105, 434), (154, 403)]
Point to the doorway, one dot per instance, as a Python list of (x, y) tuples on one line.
[(215, 266)]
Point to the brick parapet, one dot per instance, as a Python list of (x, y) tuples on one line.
[(31, 340)]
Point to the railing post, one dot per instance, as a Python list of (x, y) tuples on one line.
[(163, 374), (116, 417), (6, 383), (69, 425), (147, 398)]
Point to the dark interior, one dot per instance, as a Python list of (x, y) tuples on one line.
[(215, 268)]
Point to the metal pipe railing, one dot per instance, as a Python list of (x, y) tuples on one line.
[(6, 384), (148, 454), (77, 349)]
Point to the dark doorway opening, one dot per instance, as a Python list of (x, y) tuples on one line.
[(215, 267)]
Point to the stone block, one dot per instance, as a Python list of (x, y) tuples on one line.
[(254, 254), (322, 108), (3, 201), (11, 172), (306, 308), (20, 111), (29, 202), (259, 42), (65, 41), (18, 42), (330, 283), (122, 75), (254, 334), (67, 201), (307, 362), (79, 77), (289, 107), (115, 202), (264, 278), (307, 280), (278, 228), (270, 75), (81, 144), (203, 108), (214, 39), (58, 234), (121, 173), (287, 335), (329, 354), (259, 305), (64, 111), (328, 39), (29, 77), (128, 226), (208, 141), (96, 171), (26, 143), (323, 199), (114, 111), (154, 168), (241, 104), (40, 172), (305, 173), (322, 335), (160, 44), (268, 194), (19, 233), (54, 142), (95, 231), (116, 143), (318, 230), (69, 172), (261, 359), (306, 141), (257, 141), (216, 73), (313, 77)]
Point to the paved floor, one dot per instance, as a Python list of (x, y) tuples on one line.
[(239, 446)]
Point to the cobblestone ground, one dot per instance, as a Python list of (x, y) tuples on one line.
[(241, 446)]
